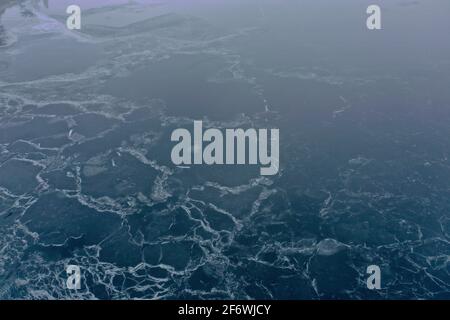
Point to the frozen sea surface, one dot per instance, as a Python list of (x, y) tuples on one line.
[(85, 170)]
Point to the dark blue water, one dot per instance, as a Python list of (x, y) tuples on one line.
[(86, 176)]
